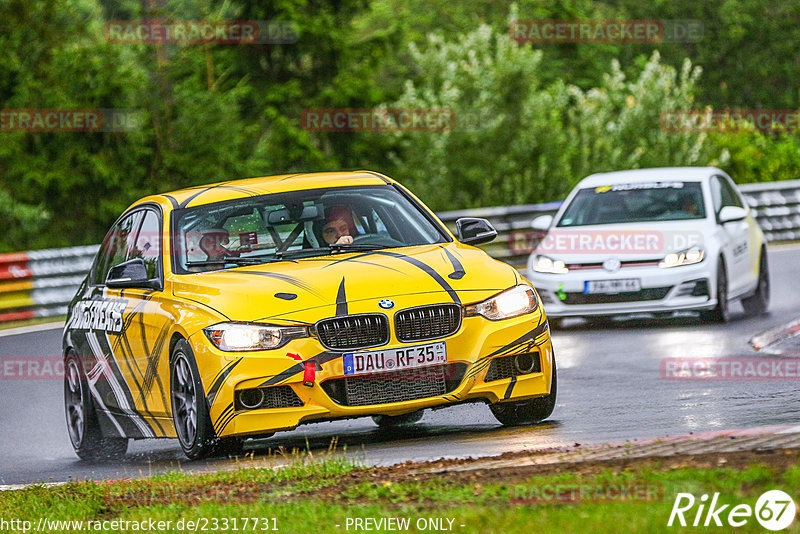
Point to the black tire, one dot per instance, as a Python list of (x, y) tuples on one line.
[(529, 411), (82, 424), (758, 303), (189, 407), (721, 312), (396, 421)]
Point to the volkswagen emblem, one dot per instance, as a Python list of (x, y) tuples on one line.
[(386, 304), (612, 265)]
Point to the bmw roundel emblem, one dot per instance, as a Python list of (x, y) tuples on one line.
[(386, 304)]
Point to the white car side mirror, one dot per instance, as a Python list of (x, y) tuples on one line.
[(731, 213), (542, 222)]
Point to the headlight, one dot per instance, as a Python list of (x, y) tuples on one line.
[(235, 337), (685, 257), (544, 264), (510, 303)]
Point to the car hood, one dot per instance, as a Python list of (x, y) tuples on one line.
[(310, 289), (626, 241)]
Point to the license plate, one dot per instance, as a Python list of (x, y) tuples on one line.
[(378, 361), (612, 286)]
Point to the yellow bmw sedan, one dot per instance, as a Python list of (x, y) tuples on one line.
[(231, 311)]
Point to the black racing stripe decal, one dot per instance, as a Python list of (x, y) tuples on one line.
[(510, 387), (226, 422), (413, 261), (225, 413), (128, 356), (171, 200), (212, 394), (525, 343), (377, 265), (106, 347), (341, 300), (318, 360), (427, 269), (285, 278), (458, 269), (324, 357), (223, 185), (153, 357), (288, 373)]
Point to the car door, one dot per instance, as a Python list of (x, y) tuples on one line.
[(734, 235), (97, 318), (142, 346)]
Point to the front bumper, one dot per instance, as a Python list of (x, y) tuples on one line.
[(689, 287), (476, 344)]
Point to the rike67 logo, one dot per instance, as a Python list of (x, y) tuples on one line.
[(774, 510)]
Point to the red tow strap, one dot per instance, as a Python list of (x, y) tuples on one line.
[(308, 374)]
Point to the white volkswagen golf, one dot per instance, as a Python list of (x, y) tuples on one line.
[(651, 241)]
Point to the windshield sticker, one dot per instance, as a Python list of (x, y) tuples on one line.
[(638, 186)]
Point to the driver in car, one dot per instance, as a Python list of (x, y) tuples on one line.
[(339, 227)]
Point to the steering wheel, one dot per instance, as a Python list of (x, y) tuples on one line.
[(375, 239)]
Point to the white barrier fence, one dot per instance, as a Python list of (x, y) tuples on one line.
[(41, 283)]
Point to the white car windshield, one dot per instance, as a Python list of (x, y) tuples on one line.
[(635, 202)]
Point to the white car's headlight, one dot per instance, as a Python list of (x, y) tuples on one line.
[(545, 264), (510, 303), (684, 257), (236, 337)]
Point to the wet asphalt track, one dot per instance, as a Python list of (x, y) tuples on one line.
[(610, 390)]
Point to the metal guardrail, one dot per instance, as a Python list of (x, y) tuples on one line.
[(41, 283), (777, 208)]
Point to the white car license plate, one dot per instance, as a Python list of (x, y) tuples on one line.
[(612, 286), (378, 361)]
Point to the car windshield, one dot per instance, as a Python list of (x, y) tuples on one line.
[(635, 202), (297, 224)]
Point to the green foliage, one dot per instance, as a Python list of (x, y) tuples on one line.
[(531, 119), (521, 141)]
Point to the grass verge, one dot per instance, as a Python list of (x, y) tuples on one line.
[(330, 495)]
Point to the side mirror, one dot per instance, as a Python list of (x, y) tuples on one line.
[(474, 231), (542, 222), (132, 273), (731, 214)]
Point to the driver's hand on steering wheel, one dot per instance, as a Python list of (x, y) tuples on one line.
[(344, 240)]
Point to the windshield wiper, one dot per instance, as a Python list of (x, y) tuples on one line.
[(230, 259), (355, 246), (330, 249)]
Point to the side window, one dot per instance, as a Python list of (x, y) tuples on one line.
[(730, 197), (716, 193), (122, 241), (147, 245), (99, 269)]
